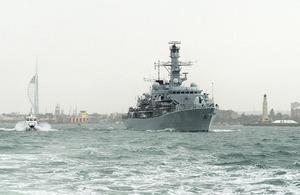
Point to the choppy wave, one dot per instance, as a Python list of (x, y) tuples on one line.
[(102, 160)]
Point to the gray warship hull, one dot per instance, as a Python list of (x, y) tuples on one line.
[(192, 120)]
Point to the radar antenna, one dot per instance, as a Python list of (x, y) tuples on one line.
[(174, 42)]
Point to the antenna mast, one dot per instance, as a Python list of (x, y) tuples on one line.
[(158, 69)]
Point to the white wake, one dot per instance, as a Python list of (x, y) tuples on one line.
[(21, 126)]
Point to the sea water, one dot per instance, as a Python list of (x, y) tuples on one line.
[(95, 159)]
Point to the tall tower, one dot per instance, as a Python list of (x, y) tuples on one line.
[(265, 118), (265, 108), (57, 111), (33, 92)]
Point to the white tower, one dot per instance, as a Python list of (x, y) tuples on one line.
[(265, 108), (33, 92), (265, 118)]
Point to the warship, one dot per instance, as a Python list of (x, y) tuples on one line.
[(169, 105)]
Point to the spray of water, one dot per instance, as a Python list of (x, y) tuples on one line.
[(21, 126), (44, 127)]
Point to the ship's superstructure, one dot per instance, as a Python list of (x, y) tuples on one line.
[(171, 105)]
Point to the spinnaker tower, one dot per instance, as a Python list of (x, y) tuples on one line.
[(33, 92)]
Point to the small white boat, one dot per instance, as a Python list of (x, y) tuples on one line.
[(31, 122)]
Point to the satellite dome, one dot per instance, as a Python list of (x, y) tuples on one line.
[(147, 95), (155, 85), (194, 84)]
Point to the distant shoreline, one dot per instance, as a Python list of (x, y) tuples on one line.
[(55, 123), (274, 124)]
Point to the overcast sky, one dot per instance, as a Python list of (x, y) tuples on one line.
[(94, 54)]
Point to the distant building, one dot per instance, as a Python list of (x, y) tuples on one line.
[(295, 110), (12, 117), (229, 114), (82, 118), (59, 114), (57, 111), (83, 114), (226, 117), (285, 122)]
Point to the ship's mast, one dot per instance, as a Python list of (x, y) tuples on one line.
[(174, 67), (158, 69)]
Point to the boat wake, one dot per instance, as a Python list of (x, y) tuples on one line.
[(21, 126), (162, 130), (45, 127), (224, 130), (7, 129)]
